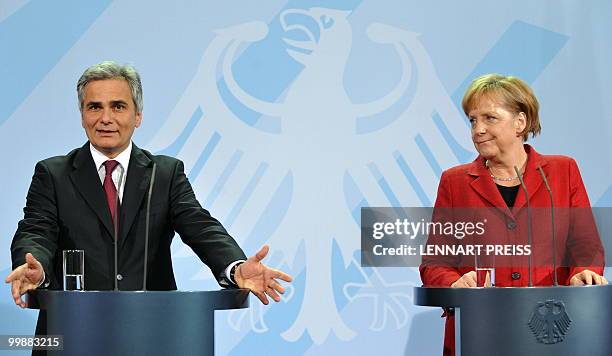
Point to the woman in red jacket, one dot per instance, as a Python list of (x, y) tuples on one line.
[(503, 112)]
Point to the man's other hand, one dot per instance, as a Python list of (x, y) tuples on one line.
[(261, 279), (26, 277)]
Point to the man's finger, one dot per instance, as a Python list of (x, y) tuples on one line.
[(262, 297), (15, 291), (273, 294), (604, 281), (15, 274), (262, 253), (26, 286), (10, 277), (282, 275), (31, 261), (277, 287)]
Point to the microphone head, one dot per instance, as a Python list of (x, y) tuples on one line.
[(544, 179), (520, 178)]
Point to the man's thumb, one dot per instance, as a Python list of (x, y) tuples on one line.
[(31, 260), (262, 253)]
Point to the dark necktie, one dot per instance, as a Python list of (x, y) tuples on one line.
[(109, 188)]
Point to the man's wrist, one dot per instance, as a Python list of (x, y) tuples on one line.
[(42, 281), (231, 271)]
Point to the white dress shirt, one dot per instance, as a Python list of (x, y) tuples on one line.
[(119, 174)]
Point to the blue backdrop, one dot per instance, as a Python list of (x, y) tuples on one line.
[(290, 116)]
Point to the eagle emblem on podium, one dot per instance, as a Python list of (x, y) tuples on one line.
[(549, 322)]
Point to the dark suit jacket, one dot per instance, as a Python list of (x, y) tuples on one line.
[(66, 209)]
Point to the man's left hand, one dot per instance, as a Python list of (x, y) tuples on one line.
[(261, 279)]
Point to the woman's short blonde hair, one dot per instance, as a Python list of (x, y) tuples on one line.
[(511, 92)]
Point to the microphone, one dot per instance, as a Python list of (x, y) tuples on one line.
[(116, 228), (552, 219), (529, 237), (148, 216)]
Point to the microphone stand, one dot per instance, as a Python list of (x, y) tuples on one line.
[(552, 214), (529, 236), (146, 245), (116, 228)]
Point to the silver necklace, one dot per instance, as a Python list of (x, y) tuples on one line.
[(501, 179)]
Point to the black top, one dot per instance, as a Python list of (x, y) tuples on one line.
[(508, 193)]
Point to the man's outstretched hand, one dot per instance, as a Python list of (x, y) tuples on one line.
[(24, 278), (261, 279)]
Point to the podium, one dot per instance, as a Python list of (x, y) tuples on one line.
[(135, 322), (538, 321)]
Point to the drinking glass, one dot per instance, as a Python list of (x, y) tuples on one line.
[(74, 268)]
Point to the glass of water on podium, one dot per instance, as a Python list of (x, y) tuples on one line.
[(485, 271), (74, 268)]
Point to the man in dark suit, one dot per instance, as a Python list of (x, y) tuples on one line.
[(97, 194)]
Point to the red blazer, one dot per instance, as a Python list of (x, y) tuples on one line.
[(578, 244)]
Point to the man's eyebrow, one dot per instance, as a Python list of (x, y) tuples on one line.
[(91, 103)]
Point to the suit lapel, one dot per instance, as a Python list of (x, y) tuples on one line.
[(485, 187), (85, 178), (532, 178), (137, 182)]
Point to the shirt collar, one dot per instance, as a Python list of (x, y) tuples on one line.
[(123, 158)]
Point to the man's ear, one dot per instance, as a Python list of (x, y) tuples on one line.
[(138, 119)]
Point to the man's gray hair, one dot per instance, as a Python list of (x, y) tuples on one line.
[(111, 70)]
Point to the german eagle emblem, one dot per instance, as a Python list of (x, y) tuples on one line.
[(549, 322)]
